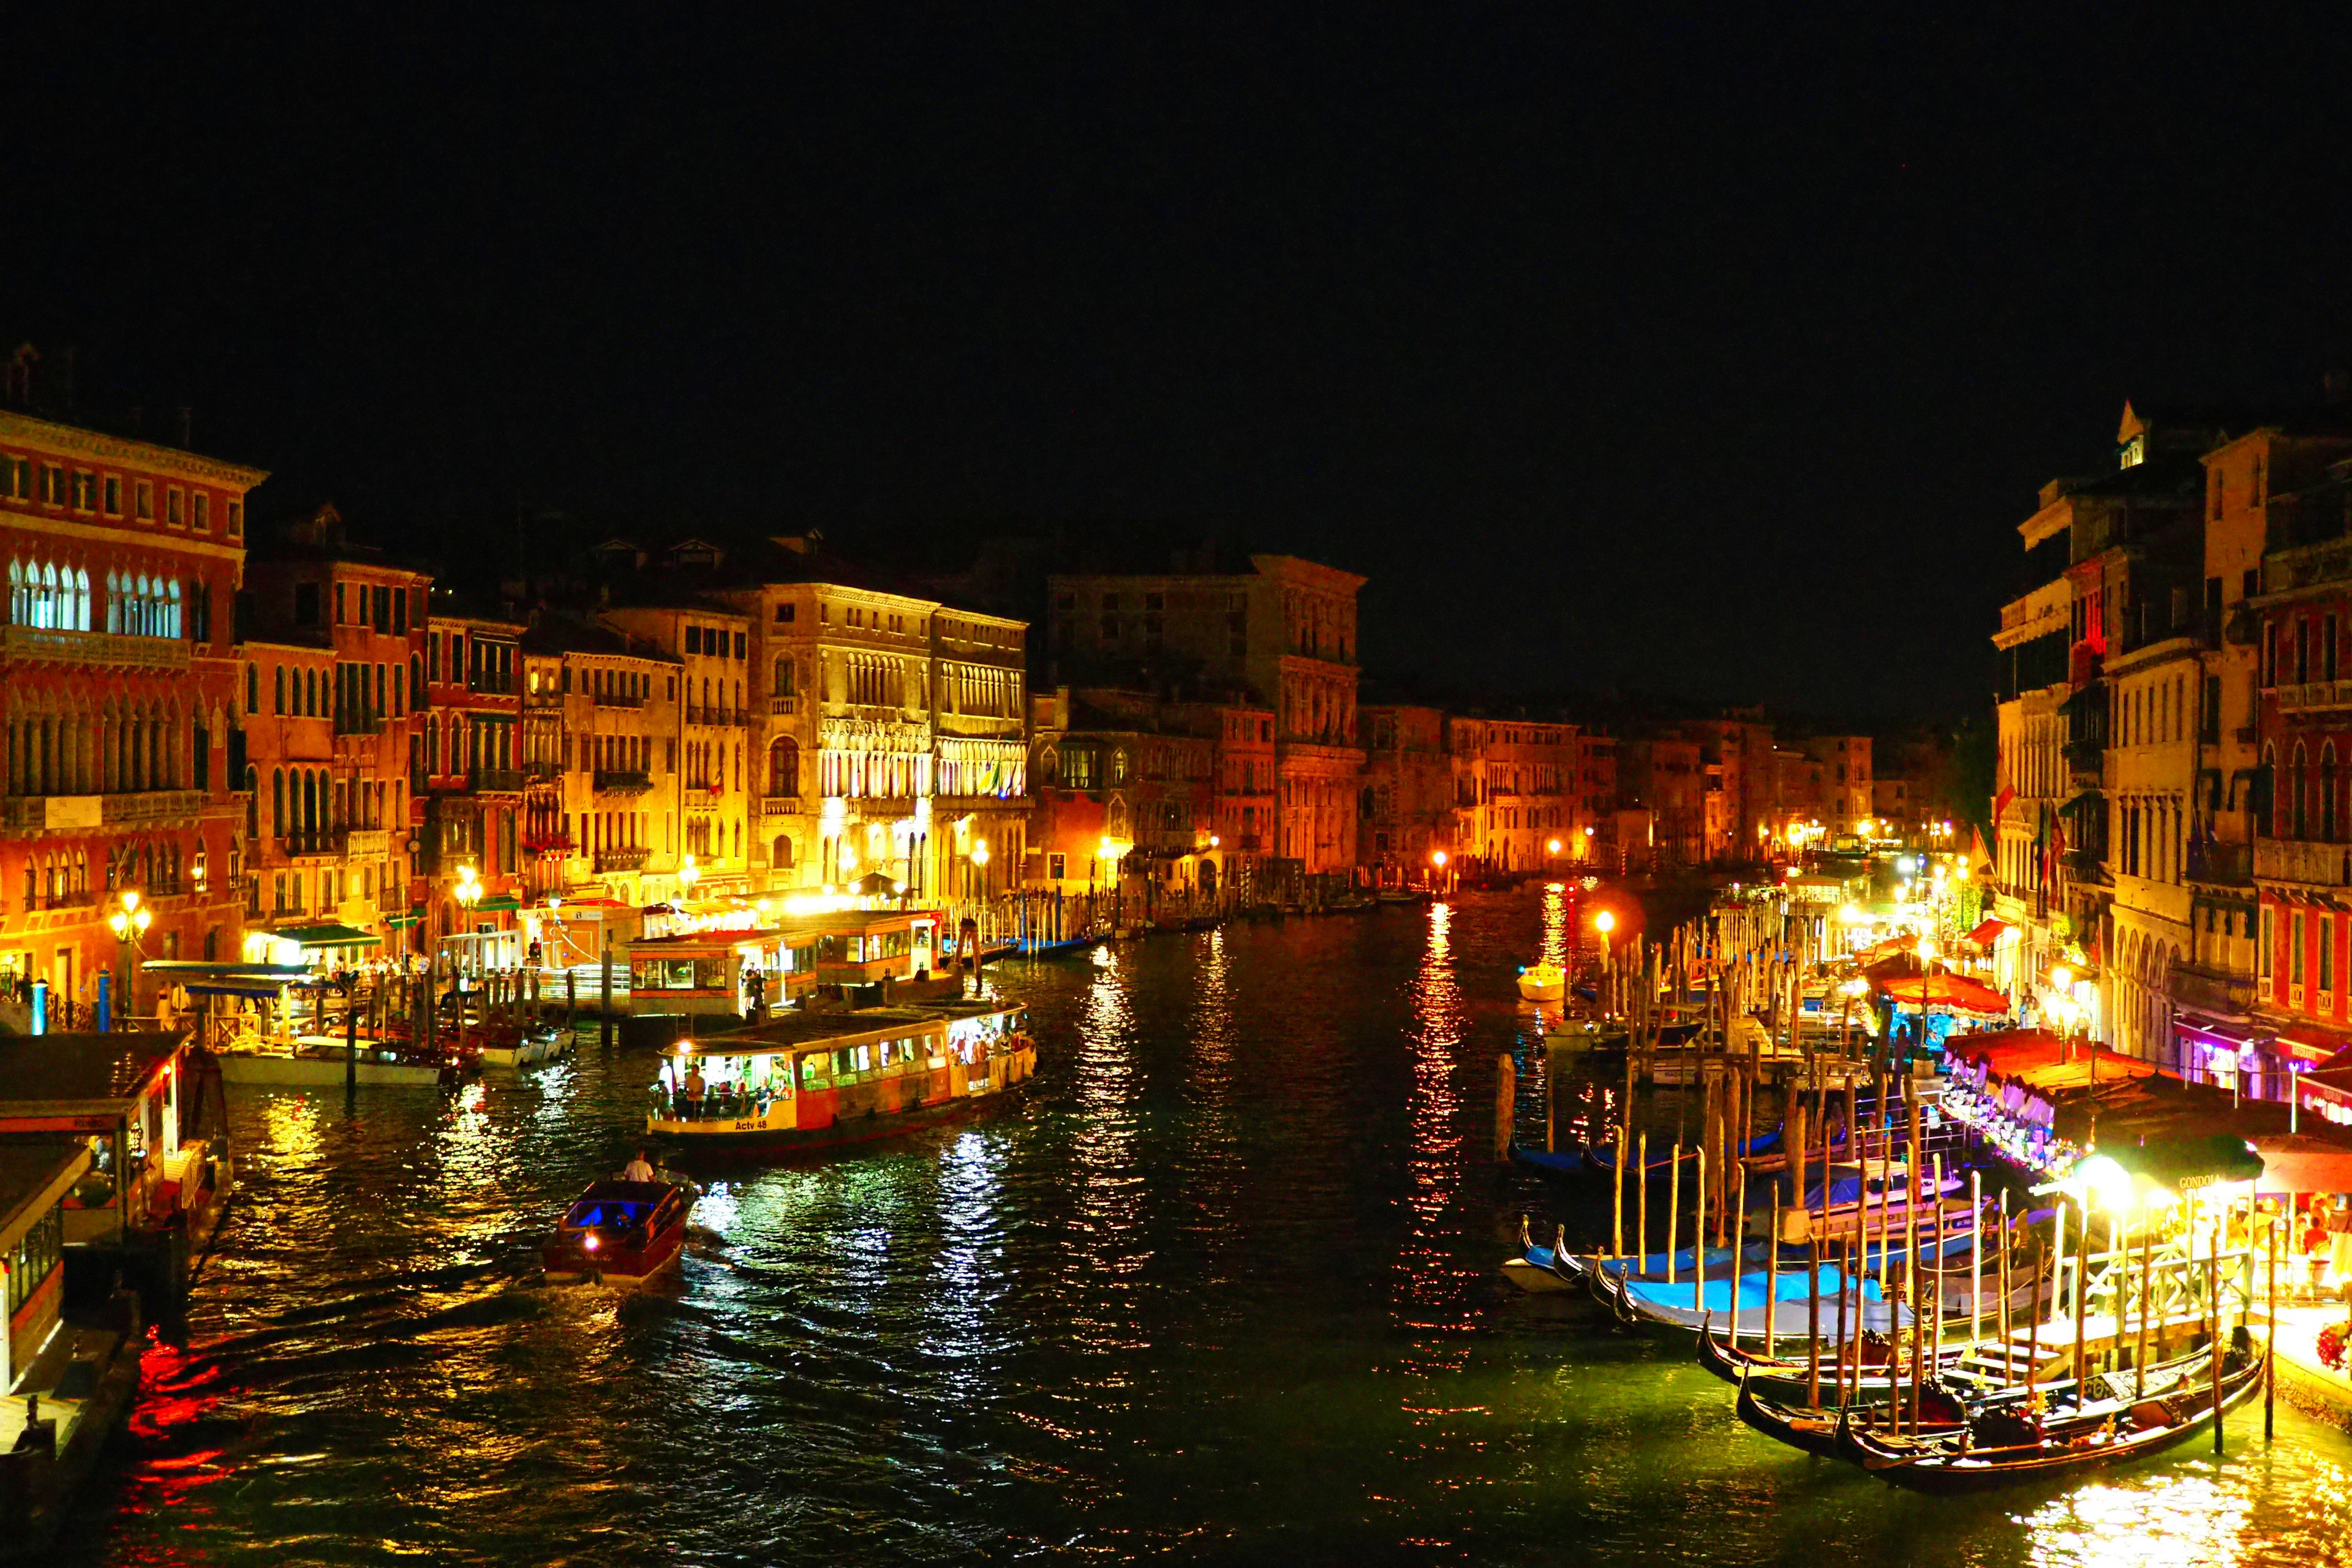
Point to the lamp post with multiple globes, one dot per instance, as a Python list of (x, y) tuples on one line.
[(129, 922)]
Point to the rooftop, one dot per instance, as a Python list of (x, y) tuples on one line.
[(793, 1030), (33, 1174), (55, 1074)]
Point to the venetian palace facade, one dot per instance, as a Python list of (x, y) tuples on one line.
[(1284, 631), (122, 701)]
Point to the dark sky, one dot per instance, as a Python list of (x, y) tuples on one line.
[(1717, 357)]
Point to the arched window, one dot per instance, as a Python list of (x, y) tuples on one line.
[(784, 767), (172, 613), (44, 607), (786, 674), (253, 689), (277, 803), (80, 600), (20, 599), (780, 854), (277, 690), (2299, 803), (310, 693)]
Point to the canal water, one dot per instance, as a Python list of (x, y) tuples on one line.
[(1223, 1288)]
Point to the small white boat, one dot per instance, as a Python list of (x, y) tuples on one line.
[(1543, 983), (315, 1061), (534, 1044)]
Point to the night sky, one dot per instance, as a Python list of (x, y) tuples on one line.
[(1716, 358)]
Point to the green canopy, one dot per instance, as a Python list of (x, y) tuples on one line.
[(328, 936), (2183, 1163), (503, 902)]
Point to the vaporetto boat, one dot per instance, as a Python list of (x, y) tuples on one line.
[(808, 1080)]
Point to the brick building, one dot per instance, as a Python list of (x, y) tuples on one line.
[(123, 700), (311, 587), (1284, 631), (469, 791)]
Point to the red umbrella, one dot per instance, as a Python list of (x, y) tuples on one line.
[(1946, 994)]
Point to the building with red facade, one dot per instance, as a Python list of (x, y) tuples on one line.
[(467, 784), (123, 751), (345, 627)]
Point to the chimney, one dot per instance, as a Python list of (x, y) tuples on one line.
[(187, 422), (20, 375)]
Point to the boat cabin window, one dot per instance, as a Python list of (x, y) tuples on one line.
[(606, 1213), (693, 972), (815, 1066)]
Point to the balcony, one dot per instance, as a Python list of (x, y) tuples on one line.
[(2211, 990), (359, 724), (42, 644), (2228, 864), (612, 699), (630, 859), (623, 780), (783, 707), (325, 841), (39, 902), (366, 843), (141, 808), (542, 772), (547, 698), (2314, 696), (2305, 864), (781, 805), (716, 716), (2329, 561), (496, 781), (547, 843)]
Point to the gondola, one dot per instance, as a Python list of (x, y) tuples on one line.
[(2110, 1432), (1817, 1431), (1536, 1269)]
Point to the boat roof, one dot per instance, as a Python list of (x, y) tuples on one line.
[(799, 1031), (33, 1176), (617, 1191), (82, 1075)]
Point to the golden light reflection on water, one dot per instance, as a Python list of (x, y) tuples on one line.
[(289, 1124), (1433, 1298), (1109, 1186), (2285, 1504), (1556, 927)]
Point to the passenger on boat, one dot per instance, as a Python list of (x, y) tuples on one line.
[(694, 1090), (639, 1170)]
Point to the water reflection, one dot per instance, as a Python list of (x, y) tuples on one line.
[(1431, 1300), (1221, 1287)]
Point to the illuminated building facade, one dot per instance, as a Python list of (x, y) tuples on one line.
[(468, 781), (1285, 631), (310, 587), (123, 703)]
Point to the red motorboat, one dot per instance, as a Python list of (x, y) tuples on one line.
[(619, 1232)]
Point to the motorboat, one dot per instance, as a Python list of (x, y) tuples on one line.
[(321, 1061), (619, 1232), (1543, 983), (523, 1046)]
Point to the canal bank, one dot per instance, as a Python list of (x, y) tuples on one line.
[(1223, 1287)]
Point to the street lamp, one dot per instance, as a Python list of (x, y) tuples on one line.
[(687, 871), (468, 893), (129, 922)]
